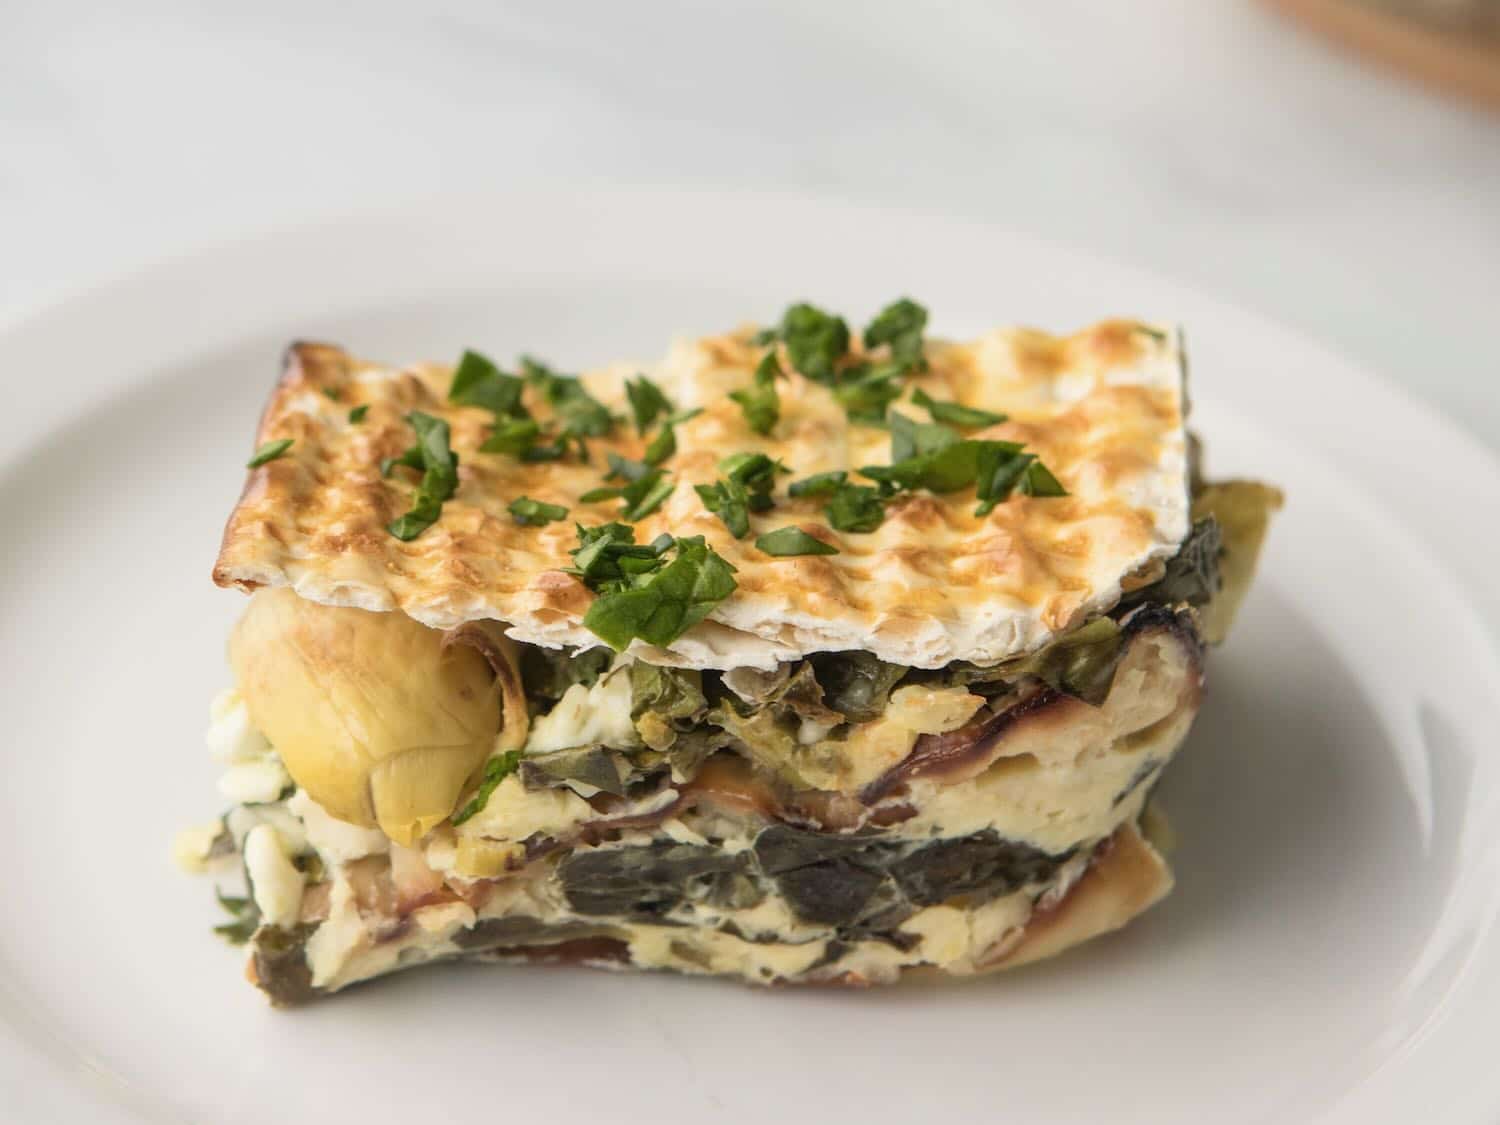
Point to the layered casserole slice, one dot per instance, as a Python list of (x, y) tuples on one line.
[(804, 655)]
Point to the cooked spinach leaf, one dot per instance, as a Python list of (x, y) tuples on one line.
[(856, 684)]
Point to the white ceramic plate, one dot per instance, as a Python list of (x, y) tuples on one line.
[(1328, 954)]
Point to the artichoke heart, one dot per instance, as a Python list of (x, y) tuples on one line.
[(379, 721)]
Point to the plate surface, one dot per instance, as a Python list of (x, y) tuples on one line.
[(1328, 954)]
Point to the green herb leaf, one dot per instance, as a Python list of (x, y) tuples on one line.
[(496, 770), (625, 468), (819, 484), (659, 606), (602, 550), (578, 411), (357, 415), (662, 446), (785, 542), (900, 324), (512, 435), (477, 381), (439, 478), (946, 469), (232, 904), (331, 393), (1039, 481), (761, 403), (910, 439), (730, 502), (855, 507), (1155, 333), (866, 391), (647, 402), (954, 414), (1000, 470), (534, 513), (269, 452), (644, 496), (815, 340)]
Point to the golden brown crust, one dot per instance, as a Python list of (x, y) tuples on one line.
[(1104, 408)]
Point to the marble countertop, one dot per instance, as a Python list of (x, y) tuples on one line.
[(1205, 139)]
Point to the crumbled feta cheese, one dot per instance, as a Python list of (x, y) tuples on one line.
[(231, 737), (334, 839), (255, 783), (587, 716), (274, 880)]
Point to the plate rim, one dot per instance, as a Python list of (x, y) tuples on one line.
[(40, 329)]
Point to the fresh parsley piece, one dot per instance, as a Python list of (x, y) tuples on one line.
[(496, 770), (644, 496), (819, 484), (815, 340), (245, 914), (756, 472), (512, 435), (578, 411), (607, 557), (1155, 333), (477, 381), (331, 393), (910, 439), (534, 513), (900, 324), (954, 414), (1000, 470), (867, 390), (658, 606), (357, 415), (439, 477), (730, 502), (1039, 481), (662, 446), (855, 507), (749, 478), (760, 402), (647, 402), (625, 469), (786, 542), (268, 452)]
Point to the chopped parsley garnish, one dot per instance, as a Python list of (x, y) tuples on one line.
[(496, 770), (900, 324), (760, 402), (641, 595), (246, 917), (269, 452), (746, 488), (786, 542), (331, 393), (439, 477), (477, 381), (855, 507), (815, 340), (819, 484), (934, 457), (865, 391), (1155, 333), (662, 446), (512, 435), (647, 402), (954, 414), (647, 488), (535, 513), (357, 415), (577, 410), (850, 507)]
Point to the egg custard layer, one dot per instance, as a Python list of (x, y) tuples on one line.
[(869, 665)]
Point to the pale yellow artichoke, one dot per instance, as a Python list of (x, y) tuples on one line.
[(380, 721)]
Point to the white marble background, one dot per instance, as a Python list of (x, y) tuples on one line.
[(1203, 138)]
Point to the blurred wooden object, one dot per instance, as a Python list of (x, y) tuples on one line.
[(1451, 45)]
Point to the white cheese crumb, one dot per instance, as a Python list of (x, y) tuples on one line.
[(587, 716), (335, 839), (274, 881), (231, 737), (191, 846), (254, 783)]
